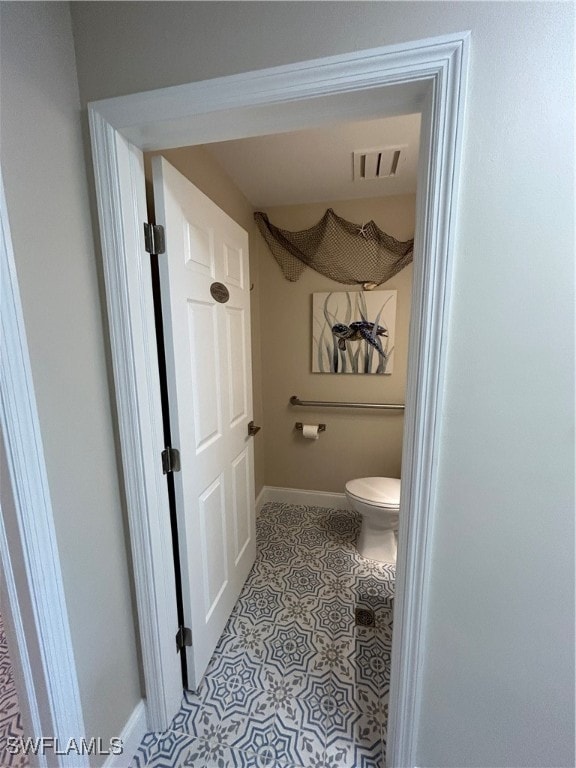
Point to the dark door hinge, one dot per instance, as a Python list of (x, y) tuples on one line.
[(170, 460), (183, 638), (154, 239)]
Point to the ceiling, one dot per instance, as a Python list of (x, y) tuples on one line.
[(317, 165)]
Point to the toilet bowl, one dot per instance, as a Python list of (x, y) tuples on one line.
[(377, 499)]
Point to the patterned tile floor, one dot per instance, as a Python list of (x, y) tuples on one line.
[(293, 683), (10, 719)]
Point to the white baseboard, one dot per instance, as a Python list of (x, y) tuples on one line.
[(132, 734), (261, 499), (300, 496)]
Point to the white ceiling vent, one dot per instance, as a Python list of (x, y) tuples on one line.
[(379, 163)]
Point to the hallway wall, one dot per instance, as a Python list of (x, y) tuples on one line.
[(47, 197)]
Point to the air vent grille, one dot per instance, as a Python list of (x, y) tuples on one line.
[(378, 163)]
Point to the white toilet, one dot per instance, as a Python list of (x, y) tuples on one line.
[(377, 499)]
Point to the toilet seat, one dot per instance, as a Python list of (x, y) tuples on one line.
[(382, 492)]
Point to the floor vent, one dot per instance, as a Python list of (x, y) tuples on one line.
[(364, 617)]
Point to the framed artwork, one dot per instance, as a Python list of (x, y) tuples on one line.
[(353, 332)]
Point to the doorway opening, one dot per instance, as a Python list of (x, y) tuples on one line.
[(421, 76), (320, 179)]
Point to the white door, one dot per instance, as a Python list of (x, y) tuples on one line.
[(208, 362)]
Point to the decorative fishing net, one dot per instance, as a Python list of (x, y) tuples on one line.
[(345, 252)]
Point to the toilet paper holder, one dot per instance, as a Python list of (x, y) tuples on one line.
[(299, 426)]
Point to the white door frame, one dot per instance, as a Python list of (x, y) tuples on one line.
[(32, 575), (425, 75)]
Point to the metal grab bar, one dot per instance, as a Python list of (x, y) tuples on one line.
[(294, 400)]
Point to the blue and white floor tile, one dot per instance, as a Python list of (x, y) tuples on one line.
[(293, 682), (10, 718)]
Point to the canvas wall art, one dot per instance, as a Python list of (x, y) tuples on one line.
[(353, 332)]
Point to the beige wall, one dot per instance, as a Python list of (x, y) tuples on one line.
[(200, 167), (356, 443), (47, 198)]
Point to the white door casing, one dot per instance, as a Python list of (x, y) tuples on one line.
[(421, 75), (32, 576), (209, 377)]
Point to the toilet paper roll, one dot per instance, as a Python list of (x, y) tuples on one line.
[(310, 431)]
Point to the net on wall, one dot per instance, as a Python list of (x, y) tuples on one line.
[(345, 252)]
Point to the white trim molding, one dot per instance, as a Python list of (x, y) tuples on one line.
[(131, 736), (423, 75), (41, 582), (119, 175), (301, 496)]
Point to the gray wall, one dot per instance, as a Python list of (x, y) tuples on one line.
[(46, 190), (498, 672)]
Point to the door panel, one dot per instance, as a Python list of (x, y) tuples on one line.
[(209, 378), (199, 249), (233, 265), (204, 373), (235, 338), (213, 543), (241, 504)]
